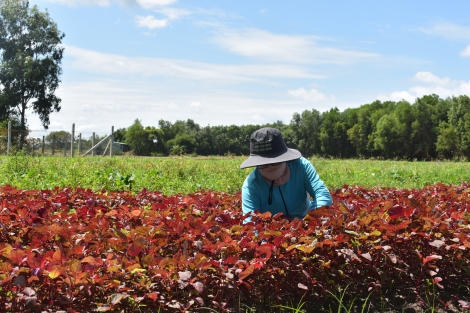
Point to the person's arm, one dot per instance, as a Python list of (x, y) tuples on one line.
[(315, 187), (250, 199)]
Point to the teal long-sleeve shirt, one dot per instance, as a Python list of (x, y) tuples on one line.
[(303, 181)]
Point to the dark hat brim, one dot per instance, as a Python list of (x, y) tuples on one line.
[(256, 159)]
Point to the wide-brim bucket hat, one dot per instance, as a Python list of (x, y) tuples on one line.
[(267, 146)]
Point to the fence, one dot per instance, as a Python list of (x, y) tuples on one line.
[(59, 143)]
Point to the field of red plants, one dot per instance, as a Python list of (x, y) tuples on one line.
[(75, 250)]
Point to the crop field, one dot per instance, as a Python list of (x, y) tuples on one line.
[(186, 175), (167, 235)]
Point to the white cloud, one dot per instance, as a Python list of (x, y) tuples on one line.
[(448, 30), (261, 44), (311, 95), (150, 22), (399, 95), (143, 3), (105, 64), (428, 77), (173, 13), (466, 52), (431, 84), (153, 3), (114, 102)]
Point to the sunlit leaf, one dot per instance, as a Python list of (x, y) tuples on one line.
[(431, 257), (247, 272), (116, 298), (92, 261), (55, 273)]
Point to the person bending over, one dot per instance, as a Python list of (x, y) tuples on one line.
[(282, 181)]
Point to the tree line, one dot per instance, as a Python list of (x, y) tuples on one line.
[(30, 68), (428, 129)]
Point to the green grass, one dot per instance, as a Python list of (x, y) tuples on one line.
[(175, 175), (391, 174)]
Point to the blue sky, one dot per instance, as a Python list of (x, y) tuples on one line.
[(250, 62)]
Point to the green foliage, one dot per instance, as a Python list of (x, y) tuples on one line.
[(143, 141), (459, 118), (58, 139), (31, 53), (446, 144), (431, 128), (120, 135), (333, 135), (174, 175), (305, 129)]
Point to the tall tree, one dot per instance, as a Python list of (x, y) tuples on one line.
[(428, 112), (305, 130), (446, 144), (143, 141), (333, 134), (459, 118), (30, 58)]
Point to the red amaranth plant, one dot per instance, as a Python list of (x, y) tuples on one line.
[(77, 250)]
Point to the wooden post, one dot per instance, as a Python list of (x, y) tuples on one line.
[(111, 140), (107, 147), (99, 143), (53, 144), (93, 144), (80, 143), (43, 139), (72, 140), (9, 137), (65, 145)]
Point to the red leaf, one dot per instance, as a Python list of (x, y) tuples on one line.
[(223, 218), (134, 249), (266, 249), (17, 256), (136, 213), (247, 272), (399, 211), (279, 240), (431, 257), (152, 295), (231, 260), (92, 261), (436, 281)]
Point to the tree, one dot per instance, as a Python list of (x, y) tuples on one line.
[(386, 136), (143, 141), (306, 132), (333, 134), (459, 118), (427, 117), (120, 134), (446, 144), (58, 139), (393, 132), (31, 54)]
